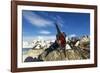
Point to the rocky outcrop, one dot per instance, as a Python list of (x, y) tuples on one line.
[(70, 55), (55, 55)]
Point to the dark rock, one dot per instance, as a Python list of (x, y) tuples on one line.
[(31, 59)]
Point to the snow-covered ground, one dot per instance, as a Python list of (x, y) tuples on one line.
[(40, 43)]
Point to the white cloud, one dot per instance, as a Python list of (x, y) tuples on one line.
[(44, 32), (36, 20), (41, 37), (47, 37), (60, 22), (72, 35)]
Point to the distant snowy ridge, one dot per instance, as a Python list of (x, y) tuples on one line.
[(43, 44), (37, 43)]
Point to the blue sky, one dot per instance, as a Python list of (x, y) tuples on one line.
[(40, 24)]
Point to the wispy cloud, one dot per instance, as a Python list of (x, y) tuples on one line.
[(39, 37), (36, 19), (46, 37), (72, 35), (44, 32), (59, 20)]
